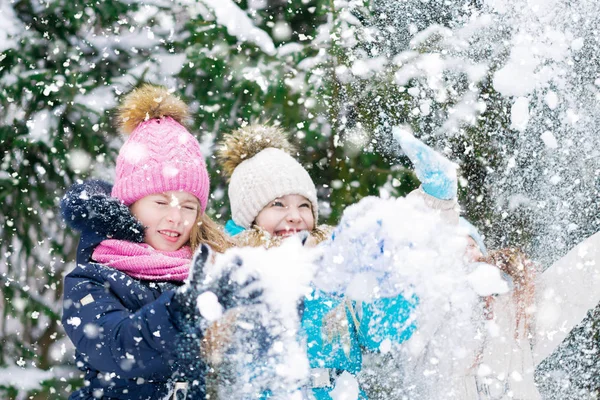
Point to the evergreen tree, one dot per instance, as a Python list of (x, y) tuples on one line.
[(338, 75)]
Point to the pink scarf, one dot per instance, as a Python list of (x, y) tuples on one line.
[(141, 261)]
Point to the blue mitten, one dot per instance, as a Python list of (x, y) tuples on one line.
[(232, 288), (436, 173), (88, 207)]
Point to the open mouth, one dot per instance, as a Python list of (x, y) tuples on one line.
[(286, 232), (171, 236)]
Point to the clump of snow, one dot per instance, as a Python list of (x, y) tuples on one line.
[(256, 75), (75, 321), (170, 64), (519, 114), (282, 31), (134, 152), (170, 171), (549, 140), (289, 48), (11, 27), (551, 99), (91, 330), (99, 99), (486, 280), (264, 351), (517, 77), (79, 160), (28, 378), (365, 68), (41, 125), (577, 44), (346, 388), (209, 306), (257, 4), (386, 247), (238, 24)]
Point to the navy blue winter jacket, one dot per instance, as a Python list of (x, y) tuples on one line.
[(126, 331)]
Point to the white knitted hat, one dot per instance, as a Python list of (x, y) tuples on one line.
[(261, 170)]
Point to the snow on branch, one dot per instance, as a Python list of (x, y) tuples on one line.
[(238, 24)]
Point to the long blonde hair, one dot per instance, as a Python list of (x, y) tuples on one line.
[(207, 231)]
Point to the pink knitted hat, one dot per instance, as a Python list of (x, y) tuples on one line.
[(160, 154)]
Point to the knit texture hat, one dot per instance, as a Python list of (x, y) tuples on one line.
[(257, 159), (160, 154)]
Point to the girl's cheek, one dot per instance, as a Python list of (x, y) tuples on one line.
[(190, 218)]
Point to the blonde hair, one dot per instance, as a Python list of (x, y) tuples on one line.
[(207, 231), (523, 272)]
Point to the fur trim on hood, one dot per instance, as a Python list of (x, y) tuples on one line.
[(258, 237)]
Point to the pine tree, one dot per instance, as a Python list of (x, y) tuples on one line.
[(338, 75)]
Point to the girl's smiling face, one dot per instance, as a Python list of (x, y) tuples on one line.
[(286, 215), (168, 218)]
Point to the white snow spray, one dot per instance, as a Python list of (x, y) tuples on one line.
[(257, 345), (387, 247), (508, 89)]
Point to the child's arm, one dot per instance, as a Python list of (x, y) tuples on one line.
[(110, 337)]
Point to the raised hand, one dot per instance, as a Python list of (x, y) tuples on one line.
[(436, 173), (185, 298)]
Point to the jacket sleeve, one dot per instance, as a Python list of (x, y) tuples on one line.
[(449, 209), (112, 338), (386, 318)]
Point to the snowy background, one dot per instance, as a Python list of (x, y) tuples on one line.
[(508, 89)]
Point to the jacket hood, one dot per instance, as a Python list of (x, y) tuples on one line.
[(88, 208)]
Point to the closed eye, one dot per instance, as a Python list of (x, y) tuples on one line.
[(192, 208), (161, 202)]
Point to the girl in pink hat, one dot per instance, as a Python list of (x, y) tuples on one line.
[(134, 323)]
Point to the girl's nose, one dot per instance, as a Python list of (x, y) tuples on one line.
[(293, 215), (174, 214)]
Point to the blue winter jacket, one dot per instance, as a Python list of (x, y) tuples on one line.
[(333, 348), (382, 319), (124, 330)]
